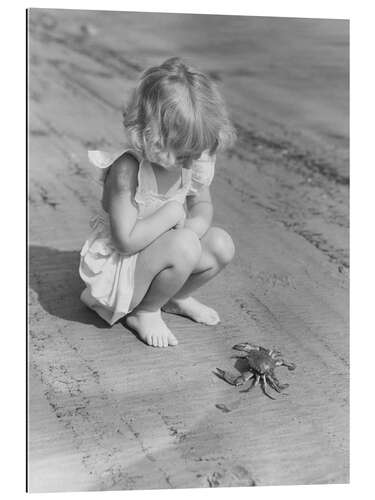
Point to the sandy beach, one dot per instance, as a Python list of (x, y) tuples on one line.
[(106, 412)]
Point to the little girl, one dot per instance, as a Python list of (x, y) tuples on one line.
[(152, 245)]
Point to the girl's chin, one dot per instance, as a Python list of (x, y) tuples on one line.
[(166, 167)]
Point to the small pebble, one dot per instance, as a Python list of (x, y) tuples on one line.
[(222, 408)]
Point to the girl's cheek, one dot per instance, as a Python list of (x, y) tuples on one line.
[(166, 159)]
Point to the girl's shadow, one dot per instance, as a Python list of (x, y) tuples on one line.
[(53, 275)]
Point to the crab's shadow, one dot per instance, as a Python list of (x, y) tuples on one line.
[(241, 364)]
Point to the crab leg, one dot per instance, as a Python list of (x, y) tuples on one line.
[(274, 354), (275, 384), (255, 380), (263, 383), (282, 362), (244, 377)]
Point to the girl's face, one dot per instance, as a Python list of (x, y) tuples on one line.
[(170, 160)]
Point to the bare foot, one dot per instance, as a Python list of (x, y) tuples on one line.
[(151, 328), (193, 309)]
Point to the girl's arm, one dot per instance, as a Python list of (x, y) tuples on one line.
[(200, 212), (130, 235)]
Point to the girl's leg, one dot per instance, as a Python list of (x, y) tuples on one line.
[(162, 269), (217, 252)]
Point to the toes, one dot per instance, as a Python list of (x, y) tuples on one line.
[(160, 341), (172, 340), (215, 319), (211, 321), (153, 331), (208, 317), (212, 318)]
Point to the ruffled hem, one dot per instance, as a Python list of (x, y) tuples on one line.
[(203, 172), (108, 275), (109, 316)]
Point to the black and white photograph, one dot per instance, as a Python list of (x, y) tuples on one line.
[(188, 251)]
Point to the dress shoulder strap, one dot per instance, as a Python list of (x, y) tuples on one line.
[(103, 160), (202, 173)]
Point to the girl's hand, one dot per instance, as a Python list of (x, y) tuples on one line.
[(176, 212), (181, 223)]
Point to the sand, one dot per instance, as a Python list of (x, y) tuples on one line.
[(106, 411)]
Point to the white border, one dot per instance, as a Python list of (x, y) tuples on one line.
[(362, 235), (273, 8)]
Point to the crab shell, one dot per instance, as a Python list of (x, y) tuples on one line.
[(260, 362), (258, 358)]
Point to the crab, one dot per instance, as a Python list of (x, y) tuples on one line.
[(261, 363)]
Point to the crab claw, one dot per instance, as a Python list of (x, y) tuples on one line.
[(282, 362), (290, 366), (246, 347), (228, 377)]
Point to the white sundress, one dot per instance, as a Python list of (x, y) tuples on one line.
[(108, 274)]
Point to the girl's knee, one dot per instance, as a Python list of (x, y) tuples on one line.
[(185, 248), (220, 245)]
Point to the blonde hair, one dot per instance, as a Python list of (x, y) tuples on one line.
[(177, 108)]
